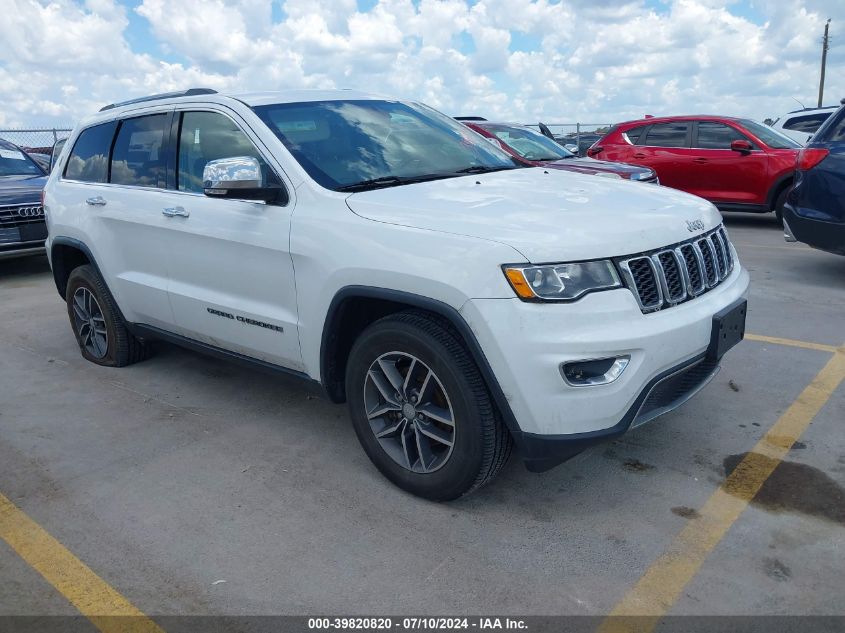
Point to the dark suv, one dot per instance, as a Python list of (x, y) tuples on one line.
[(22, 228), (814, 212)]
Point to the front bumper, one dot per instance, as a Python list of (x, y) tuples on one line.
[(525, 343), (18, 239)]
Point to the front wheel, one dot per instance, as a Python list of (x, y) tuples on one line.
[(421, 409)]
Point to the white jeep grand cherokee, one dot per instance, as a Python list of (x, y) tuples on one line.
[(459, 304)]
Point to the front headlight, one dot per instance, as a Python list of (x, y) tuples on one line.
[(561, 282)]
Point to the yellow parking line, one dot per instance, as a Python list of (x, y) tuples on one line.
[(791, 342), (662, 583), (91, 595)]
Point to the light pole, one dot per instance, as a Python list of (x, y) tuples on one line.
[(825, 46)]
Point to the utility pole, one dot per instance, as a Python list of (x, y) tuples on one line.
[(825, 46)]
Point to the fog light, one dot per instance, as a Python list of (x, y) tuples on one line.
[(596, 371)]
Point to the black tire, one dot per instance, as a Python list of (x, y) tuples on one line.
[(121, 348), (481, 443), (779, 204)]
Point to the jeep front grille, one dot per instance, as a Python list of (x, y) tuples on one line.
[(668, 276)]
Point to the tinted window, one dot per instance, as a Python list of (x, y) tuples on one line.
[(89, 160), (635, 134), (138, 156), (667, 135), (806, 124), (207, 136), (347, 143), (834, 129), (714, 135)]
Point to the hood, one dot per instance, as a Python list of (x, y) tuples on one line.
[(586, 165), (21, 189), (546, 215)]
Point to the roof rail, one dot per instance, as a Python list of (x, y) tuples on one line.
[(164, 95), (808, 109), (469, 118)]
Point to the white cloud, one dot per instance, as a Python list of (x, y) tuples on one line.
[(520, 60)]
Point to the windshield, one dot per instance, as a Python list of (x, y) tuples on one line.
[(349, 145), (13, 162), (770, 137), (529, 144)]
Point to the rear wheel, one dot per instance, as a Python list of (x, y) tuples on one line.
[(779, 204), (421, 410), (103, 338)]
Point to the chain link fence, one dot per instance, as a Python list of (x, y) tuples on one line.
[(37, 140)]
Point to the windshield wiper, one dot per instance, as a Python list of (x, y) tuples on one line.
[(480, 169), (389, 181)]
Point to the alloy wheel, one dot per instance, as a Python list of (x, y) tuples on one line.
[(90, 323), (409, 412)]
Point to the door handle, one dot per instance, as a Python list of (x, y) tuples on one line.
[(172, 212), (96, 201), (700, 161), (639, 155)]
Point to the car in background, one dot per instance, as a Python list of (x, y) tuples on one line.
[(532, 149), (581, 143), (737, 164), (800, 125), (22, 227), (815, 206)]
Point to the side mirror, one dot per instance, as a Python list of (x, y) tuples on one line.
[(741, 146), (571, 147), (54, 155), (545, 131), (239, 177), (595, 151)]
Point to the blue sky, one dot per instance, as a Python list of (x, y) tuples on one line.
[(520, 60)]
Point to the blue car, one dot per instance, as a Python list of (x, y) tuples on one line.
[(815, 207), (22, 227)]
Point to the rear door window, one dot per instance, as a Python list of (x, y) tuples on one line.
[(635, 134), (834, 130), (89, 159), (806, 124), (715, 135), (674, 134), (138, 157)]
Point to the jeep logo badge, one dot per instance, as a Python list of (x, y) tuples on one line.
[(695, 225)]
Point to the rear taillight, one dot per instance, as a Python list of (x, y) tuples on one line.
[(809, 157)]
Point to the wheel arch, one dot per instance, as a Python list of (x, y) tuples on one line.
[(66, 254), (784, 182), (353, 308)]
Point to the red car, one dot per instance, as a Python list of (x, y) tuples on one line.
[(737, 164), (532, 149)]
